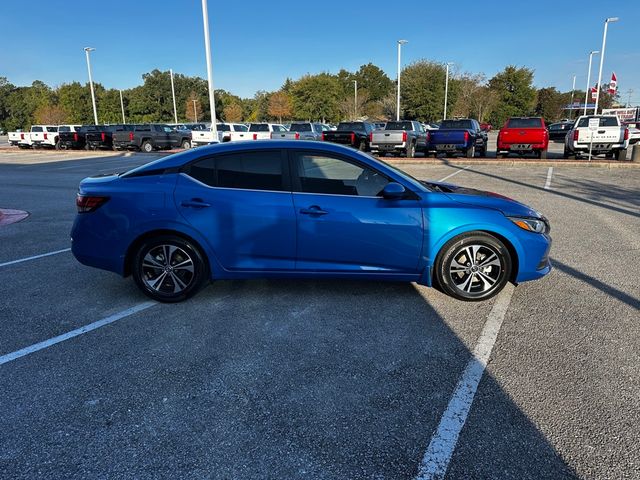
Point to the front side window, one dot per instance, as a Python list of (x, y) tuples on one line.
[(242, 170), (320, 173)]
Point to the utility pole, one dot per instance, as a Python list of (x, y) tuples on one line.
[(122, 107), (400, 43), (173, 94), (93, 95), (586, 95), (446, 90), (573, 88), (207, 48), (355, 99), (604, 44), (630, 91)]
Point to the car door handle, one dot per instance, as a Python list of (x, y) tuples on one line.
[(313, 210), (195, 203)]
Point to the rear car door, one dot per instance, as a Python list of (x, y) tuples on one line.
[(344, 225), (242, 203)]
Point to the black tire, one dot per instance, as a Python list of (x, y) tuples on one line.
[(567, 154), (175, 284), (186, 144), (621, 155), (411, 150), (362, 146), (146, 146), (542, 154), (470, 152), (466, 282), (57, 145)]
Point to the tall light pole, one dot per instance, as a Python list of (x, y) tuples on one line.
[(207, 48), (93, 95), (400, 43), (586, 95), (355, 99), (573, 88), (195, 111), (173, 94), (604, 44), (446, 90), (122, 107)]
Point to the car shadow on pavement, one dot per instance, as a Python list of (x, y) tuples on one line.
[(594, 282), (267, 379)]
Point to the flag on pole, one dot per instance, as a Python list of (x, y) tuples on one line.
[(594, 93), (613, 84)]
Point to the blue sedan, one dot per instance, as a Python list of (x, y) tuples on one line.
[(281, 209)]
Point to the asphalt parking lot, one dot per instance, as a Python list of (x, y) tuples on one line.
[(321, 379)]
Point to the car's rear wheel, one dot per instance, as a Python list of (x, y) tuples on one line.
[(146, 146), (186, 144), (470, 152), (363, 146), (473, 266), (621, 154), (411, 150), (542, 154), (169, 268)]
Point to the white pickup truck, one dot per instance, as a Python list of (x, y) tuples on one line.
[(263, 131), (227, 132), (600, 134), (14, 137)]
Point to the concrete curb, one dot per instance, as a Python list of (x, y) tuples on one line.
[(513, 162)]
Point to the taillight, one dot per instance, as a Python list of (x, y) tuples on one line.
[(404, 135), (102, 136), (297, 136), (626, 134), (428, 137), (255, 136), (371, 137), (89, 203), (131, 136), (45, 136), (22, 136), (75, 137), (353, 139), (576, 134), (466, 137), (322, 138)]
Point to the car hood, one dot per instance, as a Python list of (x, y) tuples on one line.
[(481, 198)]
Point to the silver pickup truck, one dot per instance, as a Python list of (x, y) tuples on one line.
[(405, 136), (302, 131)]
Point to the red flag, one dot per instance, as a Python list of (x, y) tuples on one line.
[(613, 84), (594, 93)]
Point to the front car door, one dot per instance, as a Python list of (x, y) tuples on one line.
[(242, 203), (344, 225)]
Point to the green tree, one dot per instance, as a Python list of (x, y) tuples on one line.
[(75, 101), (317, 97), (374, 81), (422, 91), (515, 92), (550, 103), (5, 90)]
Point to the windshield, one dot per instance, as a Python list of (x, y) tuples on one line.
[(259, 127), (456, 124), (351, 126), (399, 126), (524, 123), (300, 127)]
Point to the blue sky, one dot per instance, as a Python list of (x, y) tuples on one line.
[(257, 44)]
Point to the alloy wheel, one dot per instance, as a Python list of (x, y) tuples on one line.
[(167, 269), (476, 269)]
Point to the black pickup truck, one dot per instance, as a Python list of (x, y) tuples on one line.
[(355, 134), (72, 136), (149, 137), (100, 136)]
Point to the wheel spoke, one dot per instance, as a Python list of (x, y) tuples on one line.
[(149, 261), (178, 285), (491, 260), (185, 265), (487, 280), (157, 283), (466, 285)]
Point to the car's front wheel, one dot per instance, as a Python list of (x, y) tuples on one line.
[(473, 266), (169, 268)]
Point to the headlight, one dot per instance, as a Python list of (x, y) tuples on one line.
[(535, 225)]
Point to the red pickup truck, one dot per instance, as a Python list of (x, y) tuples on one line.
[(522, 135)]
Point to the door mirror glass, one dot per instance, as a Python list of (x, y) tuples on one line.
[(393, 191)]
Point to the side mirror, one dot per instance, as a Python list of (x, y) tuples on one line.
[(393, 191)]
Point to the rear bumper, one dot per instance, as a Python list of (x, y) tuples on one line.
[(388, 147)]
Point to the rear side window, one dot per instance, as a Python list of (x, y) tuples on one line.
[(300, 127), (64, 129), (242, 170), (240, 128), (524, 123), (36, 129), (604, 122), (259, 127), (223, 127)]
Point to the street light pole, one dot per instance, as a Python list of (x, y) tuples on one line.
[(604, 44), (586, 95), (207, 48), (93, 95), (446, 90), (173, 94), (195, 111), (122, 107), (573, 88), (355, 99), (400, 43)]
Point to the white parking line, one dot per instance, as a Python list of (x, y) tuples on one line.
[(454, 173), (436, 459), (35, 257), (9, 357), (547, 184)]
